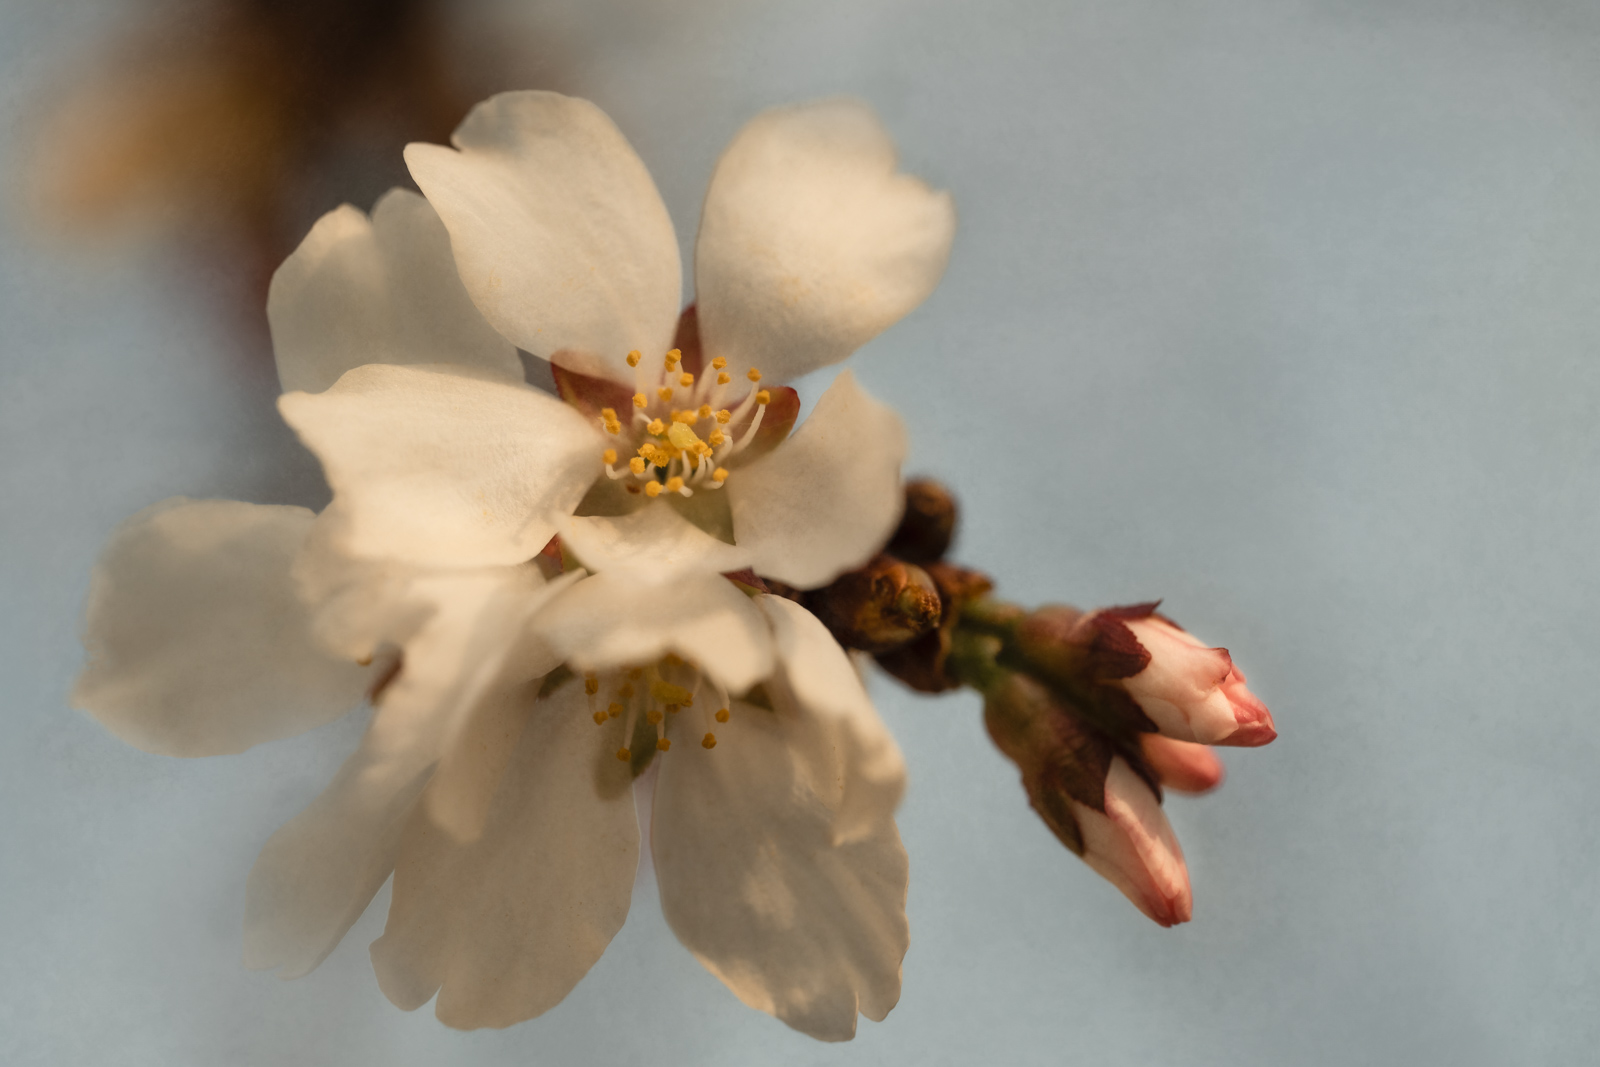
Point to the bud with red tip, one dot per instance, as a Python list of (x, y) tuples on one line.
[(1193, 692), (1097, 802)]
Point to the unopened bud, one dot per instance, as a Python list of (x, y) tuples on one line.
[(921, 664), (878, 607), (1193, 692), (928, 525), (1093, 799)]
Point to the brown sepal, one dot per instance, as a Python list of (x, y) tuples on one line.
[(928, 524), (1115, 652), (878, 607), (921, 664), (589, 395)]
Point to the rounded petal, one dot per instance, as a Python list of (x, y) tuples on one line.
[(471, 657), (379, 290), (818, 675), (558, 231), (430, 465), (197, 644), (1132, 846), (616, 619), (653, 541), (503, 927), (810, 243), (754, 885), (828, 498)]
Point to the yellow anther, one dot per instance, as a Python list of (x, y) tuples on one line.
[(609, 414), (653, 716), (613, 711), (636, 464), (719, 475), (591, 684), (663, 744), (704, 412), (686, 380), (668, 693), (673, 357), (717, 438), (753, 374), (609, 455), (722, 715), (613, 427), (657, 426), (673, 709), (674, 484), (652, 490), (723, 416), (763, 397), (625, 692), (709, 741), (719, 363), (724, 378), (600, 717), (624, 755), (633, 358), (639, 400), (665, 393)]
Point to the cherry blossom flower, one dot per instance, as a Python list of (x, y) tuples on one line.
[(668, 453)]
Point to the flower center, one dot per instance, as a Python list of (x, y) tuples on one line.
[(653, 701), (682, 431)]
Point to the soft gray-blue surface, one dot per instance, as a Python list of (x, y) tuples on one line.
[(1285, 312)]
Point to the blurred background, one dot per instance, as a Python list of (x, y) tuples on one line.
[(1283, 311)]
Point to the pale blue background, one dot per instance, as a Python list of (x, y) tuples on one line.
[(1283, 311)]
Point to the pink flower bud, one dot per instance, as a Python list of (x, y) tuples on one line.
[(1192, 692), (1132, 846), (1182, 766)]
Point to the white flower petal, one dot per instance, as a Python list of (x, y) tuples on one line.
[(558, 231), (617, 619), (810, 243), (433, 466), (504, 926), (382, 290), (197, 644), (654, 541), (829, 497), (823, 683), (319, 871), (753, 884)]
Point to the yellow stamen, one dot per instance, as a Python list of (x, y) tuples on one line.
[(717, 438), (665, 393), (639, 400), (663, 744), (591, 684), (657, 427), (753, 374), (673, 357), (722, 716), (686, 380), (600, 717), (704, 412), (674, 484), (673, 709), (709, 741), (653, 716), (636, 464), (719, 475), (624, 755), (719, 363), (724, 378), (633, 358), (608, 414), (723, 416), (609, 455), (614, 710), (652, 490), (763, 397)]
